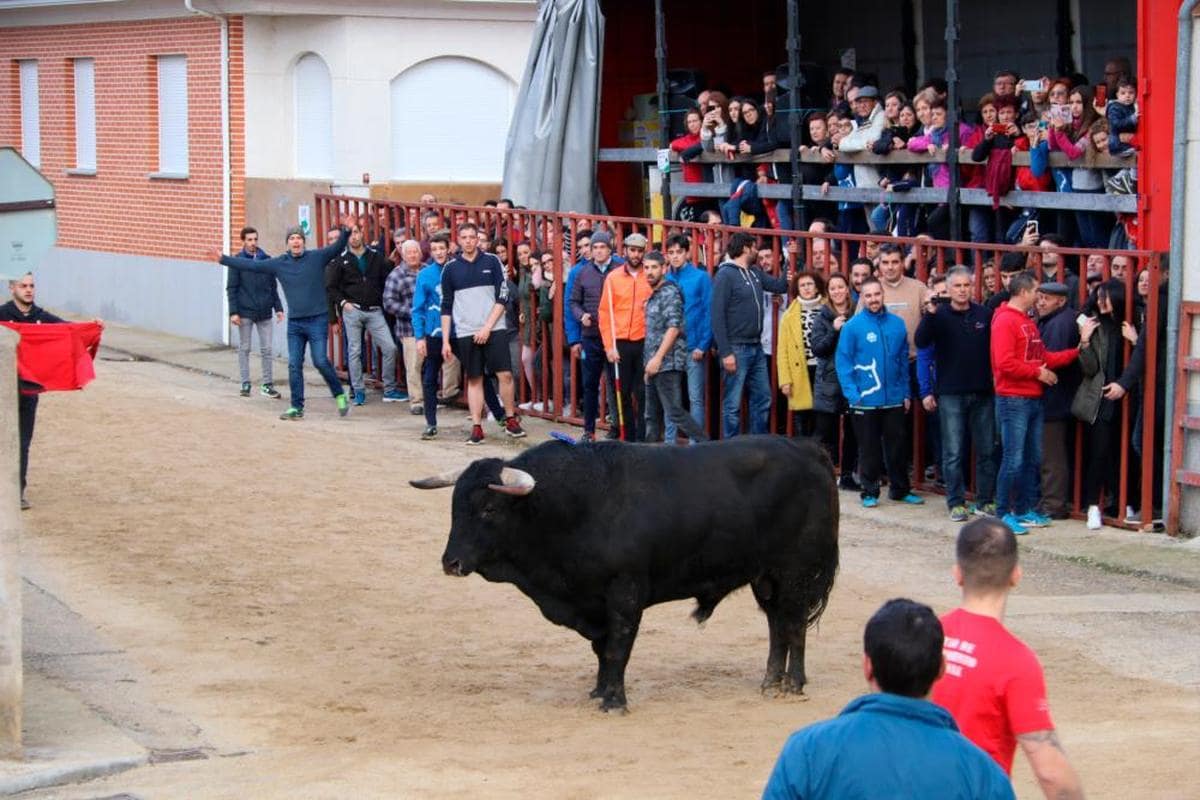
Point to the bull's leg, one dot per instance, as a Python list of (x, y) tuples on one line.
[(795, 679), (624, 616), (598, 645), (764, 593)]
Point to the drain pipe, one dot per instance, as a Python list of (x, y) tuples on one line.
[(226, 167), (1183, 80)]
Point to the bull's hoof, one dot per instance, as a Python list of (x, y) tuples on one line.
[(612, 705), (792, 687), (597, 693), (772, 686)]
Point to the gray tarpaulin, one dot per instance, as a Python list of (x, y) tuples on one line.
[(550, 156)]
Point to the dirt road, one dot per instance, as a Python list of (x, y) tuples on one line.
[(278, 586)]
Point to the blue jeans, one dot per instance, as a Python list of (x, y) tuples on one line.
[(751, 373), (743, 198), (594, 363), (1019, 485), (959, 415), (313, 332), (697, 381)]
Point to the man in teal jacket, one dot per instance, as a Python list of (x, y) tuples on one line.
[(894, 742), (872, 368)]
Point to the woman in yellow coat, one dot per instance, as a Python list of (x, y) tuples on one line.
[(794, 360)]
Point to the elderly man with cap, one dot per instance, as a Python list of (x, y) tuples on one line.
[(622, 317), (585, 306), (869, 122), (301, 273), (1059, 331)]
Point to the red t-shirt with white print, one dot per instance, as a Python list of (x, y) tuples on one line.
[(993, 686)]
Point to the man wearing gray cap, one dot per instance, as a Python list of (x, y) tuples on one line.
[(585, 304), (301, 273), (1056, 324), (869, 123)]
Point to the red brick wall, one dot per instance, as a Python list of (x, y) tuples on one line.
[(121, 209)]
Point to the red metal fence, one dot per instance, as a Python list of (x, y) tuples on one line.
[(824, 252)]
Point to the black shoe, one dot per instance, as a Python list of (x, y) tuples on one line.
[(613, 433), (245, 392), (587, 437), (430, 432), (848, 483)]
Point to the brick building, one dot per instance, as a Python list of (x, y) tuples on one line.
[(131, 111)]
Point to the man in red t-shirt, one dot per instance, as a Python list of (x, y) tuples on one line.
[(993, 684)]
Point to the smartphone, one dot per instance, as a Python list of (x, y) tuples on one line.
[(999, 128), (1101, 94), (939, 300), (1032, 86), (1032, 225), (1060, 113), (1081, 319)]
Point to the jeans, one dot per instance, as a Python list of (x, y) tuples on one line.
[(431, 371), (266, 332), (314, 332), (960, 414), (743, 198), (751, 374), (633, 389), (593, 367), (1018, 486), (1094, 226), (664, 397), (373, 322), (880, 434), (697, 382)]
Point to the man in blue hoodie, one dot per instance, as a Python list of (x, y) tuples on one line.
[(892, 742), (872, 369), (697, 312), (737, 325), (254, 304), (301, 273), (427, 326)]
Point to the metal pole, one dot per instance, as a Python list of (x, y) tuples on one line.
[(952, 115), (664, 111), (799, 220)]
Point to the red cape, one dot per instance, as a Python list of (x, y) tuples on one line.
[(56, 357)]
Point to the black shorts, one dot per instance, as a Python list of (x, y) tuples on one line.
[(492, 356)]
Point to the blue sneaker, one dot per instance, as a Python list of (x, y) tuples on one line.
[(912, 500), (1014, 524), (395, 396), (870, 502), (360, 397), (1032, 519)]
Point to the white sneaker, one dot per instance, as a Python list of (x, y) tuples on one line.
[(539, 406), (1131, 516), (526, 406), (1093, 519)]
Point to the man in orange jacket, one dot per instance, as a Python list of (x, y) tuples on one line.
[(622, 314)]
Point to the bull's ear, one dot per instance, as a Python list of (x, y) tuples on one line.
[(514, 481), (437, 481)]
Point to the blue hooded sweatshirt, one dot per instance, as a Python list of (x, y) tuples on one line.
[(872, 360), (697, 304)]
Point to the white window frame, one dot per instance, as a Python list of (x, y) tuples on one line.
[(85, 116), (31, 124), (172, 117)]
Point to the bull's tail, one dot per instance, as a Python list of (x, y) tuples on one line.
[(822, 554)]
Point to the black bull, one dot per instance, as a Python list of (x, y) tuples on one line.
[(596, 533)]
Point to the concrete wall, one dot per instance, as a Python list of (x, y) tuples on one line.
[(363, 54), (11, 670), (1189, 516), (176, 296)]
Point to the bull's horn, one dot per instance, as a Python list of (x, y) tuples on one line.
[(437, 481), (513, 481)]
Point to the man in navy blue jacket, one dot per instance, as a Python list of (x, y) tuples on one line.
[(737, 324), (301, 273), (960, 333), (872, 369), (253, 301), (892, 742)]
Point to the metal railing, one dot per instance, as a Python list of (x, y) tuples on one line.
[(789, 250), (1065, 201)]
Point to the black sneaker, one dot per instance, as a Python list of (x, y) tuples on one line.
[(268, 390), (587, 437), (848, 483), (613, 433), (245, 392), (512, 426), (476, 436), (430, 432)]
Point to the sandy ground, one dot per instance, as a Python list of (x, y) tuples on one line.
[(279, 585)]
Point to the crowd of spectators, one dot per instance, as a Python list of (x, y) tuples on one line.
[(845, 355), (1034, 115)]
